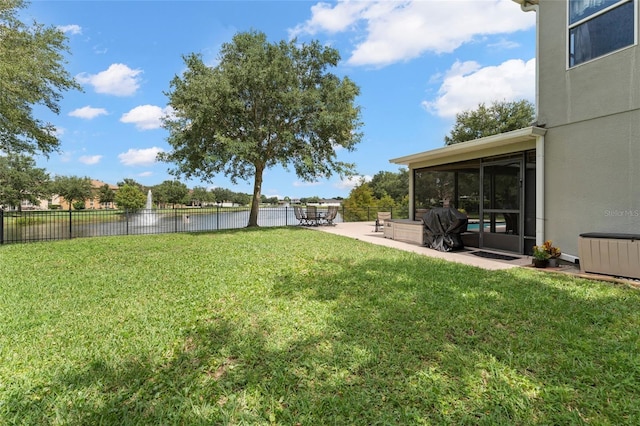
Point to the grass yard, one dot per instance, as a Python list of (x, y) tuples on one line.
[(291, 326)]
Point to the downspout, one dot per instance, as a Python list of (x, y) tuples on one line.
[(532, 6), (540, 219)]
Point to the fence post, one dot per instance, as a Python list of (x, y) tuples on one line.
[(126, 216), (70, 224), (1, 226), (217, 216), (175, 219), (286, 215)]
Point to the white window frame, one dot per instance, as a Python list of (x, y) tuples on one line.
[(571, 26)]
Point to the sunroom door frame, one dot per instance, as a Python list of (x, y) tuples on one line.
[(489, 237)]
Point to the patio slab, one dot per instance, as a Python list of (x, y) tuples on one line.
[(365, 231)]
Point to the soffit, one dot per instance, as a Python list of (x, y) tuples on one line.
[(504, 143)]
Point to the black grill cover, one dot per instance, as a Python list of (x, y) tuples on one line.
[(442, 228)]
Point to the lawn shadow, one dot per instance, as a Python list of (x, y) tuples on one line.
[(519, 347)]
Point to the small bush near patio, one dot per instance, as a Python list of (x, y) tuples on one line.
[(293, 326)]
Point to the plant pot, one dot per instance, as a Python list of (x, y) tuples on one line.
[(540, 263), (553, 262)]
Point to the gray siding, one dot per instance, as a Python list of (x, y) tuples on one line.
[(592, 147)]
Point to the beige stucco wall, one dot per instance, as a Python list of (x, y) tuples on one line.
[(592, 145)]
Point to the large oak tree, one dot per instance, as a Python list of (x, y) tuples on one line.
[(31, 74), (264, 104)]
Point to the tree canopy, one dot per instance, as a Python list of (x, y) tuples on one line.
[(199, 195), (132, 182), (172, 192), (31, 73), (73, 188), (357, 203), (220, 195), (106, 194), (264, 104), (130, 197), (20, 180), (394, 185), (499, 117)]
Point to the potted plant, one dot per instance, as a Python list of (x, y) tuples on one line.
[(554, 252), (540, 257)]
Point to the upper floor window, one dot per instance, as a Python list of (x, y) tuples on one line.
[(598, 27)]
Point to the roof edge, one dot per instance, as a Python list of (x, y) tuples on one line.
[(501, 139)]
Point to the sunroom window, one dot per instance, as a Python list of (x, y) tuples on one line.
[(599, 27)]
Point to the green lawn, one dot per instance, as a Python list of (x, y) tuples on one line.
[(291, 326)]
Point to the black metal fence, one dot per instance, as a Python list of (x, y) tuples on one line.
[(47, 225)]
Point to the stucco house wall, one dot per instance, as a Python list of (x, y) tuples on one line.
[(592, 145)]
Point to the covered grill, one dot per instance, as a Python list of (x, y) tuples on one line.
[(442, 228)]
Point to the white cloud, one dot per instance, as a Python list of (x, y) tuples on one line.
[(504, 44), (145, 174), (71, 29), (90, 159), (117, 80), (331, 18), (88, 112), (140, 157), (146, 117), (352, 182), (467, 84), (402, 30)]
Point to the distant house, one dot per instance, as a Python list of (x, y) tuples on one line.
[(325, 202), (92, 203), (330, 202), (577, 169)]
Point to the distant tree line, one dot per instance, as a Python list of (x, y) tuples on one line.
[(21, 180)]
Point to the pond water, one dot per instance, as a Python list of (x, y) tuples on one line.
[(55, 225)]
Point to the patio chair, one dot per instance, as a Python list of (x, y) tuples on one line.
[(332, 212), (382, 216), (312, 215), (302, 219), (511, 223)]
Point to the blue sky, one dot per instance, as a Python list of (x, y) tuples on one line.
[(417, 64)]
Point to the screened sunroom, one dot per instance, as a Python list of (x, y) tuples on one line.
[(497, 181)]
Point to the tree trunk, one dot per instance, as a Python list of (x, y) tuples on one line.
[(255, 203)]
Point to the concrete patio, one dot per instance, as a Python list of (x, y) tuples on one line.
[(365, 231)]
